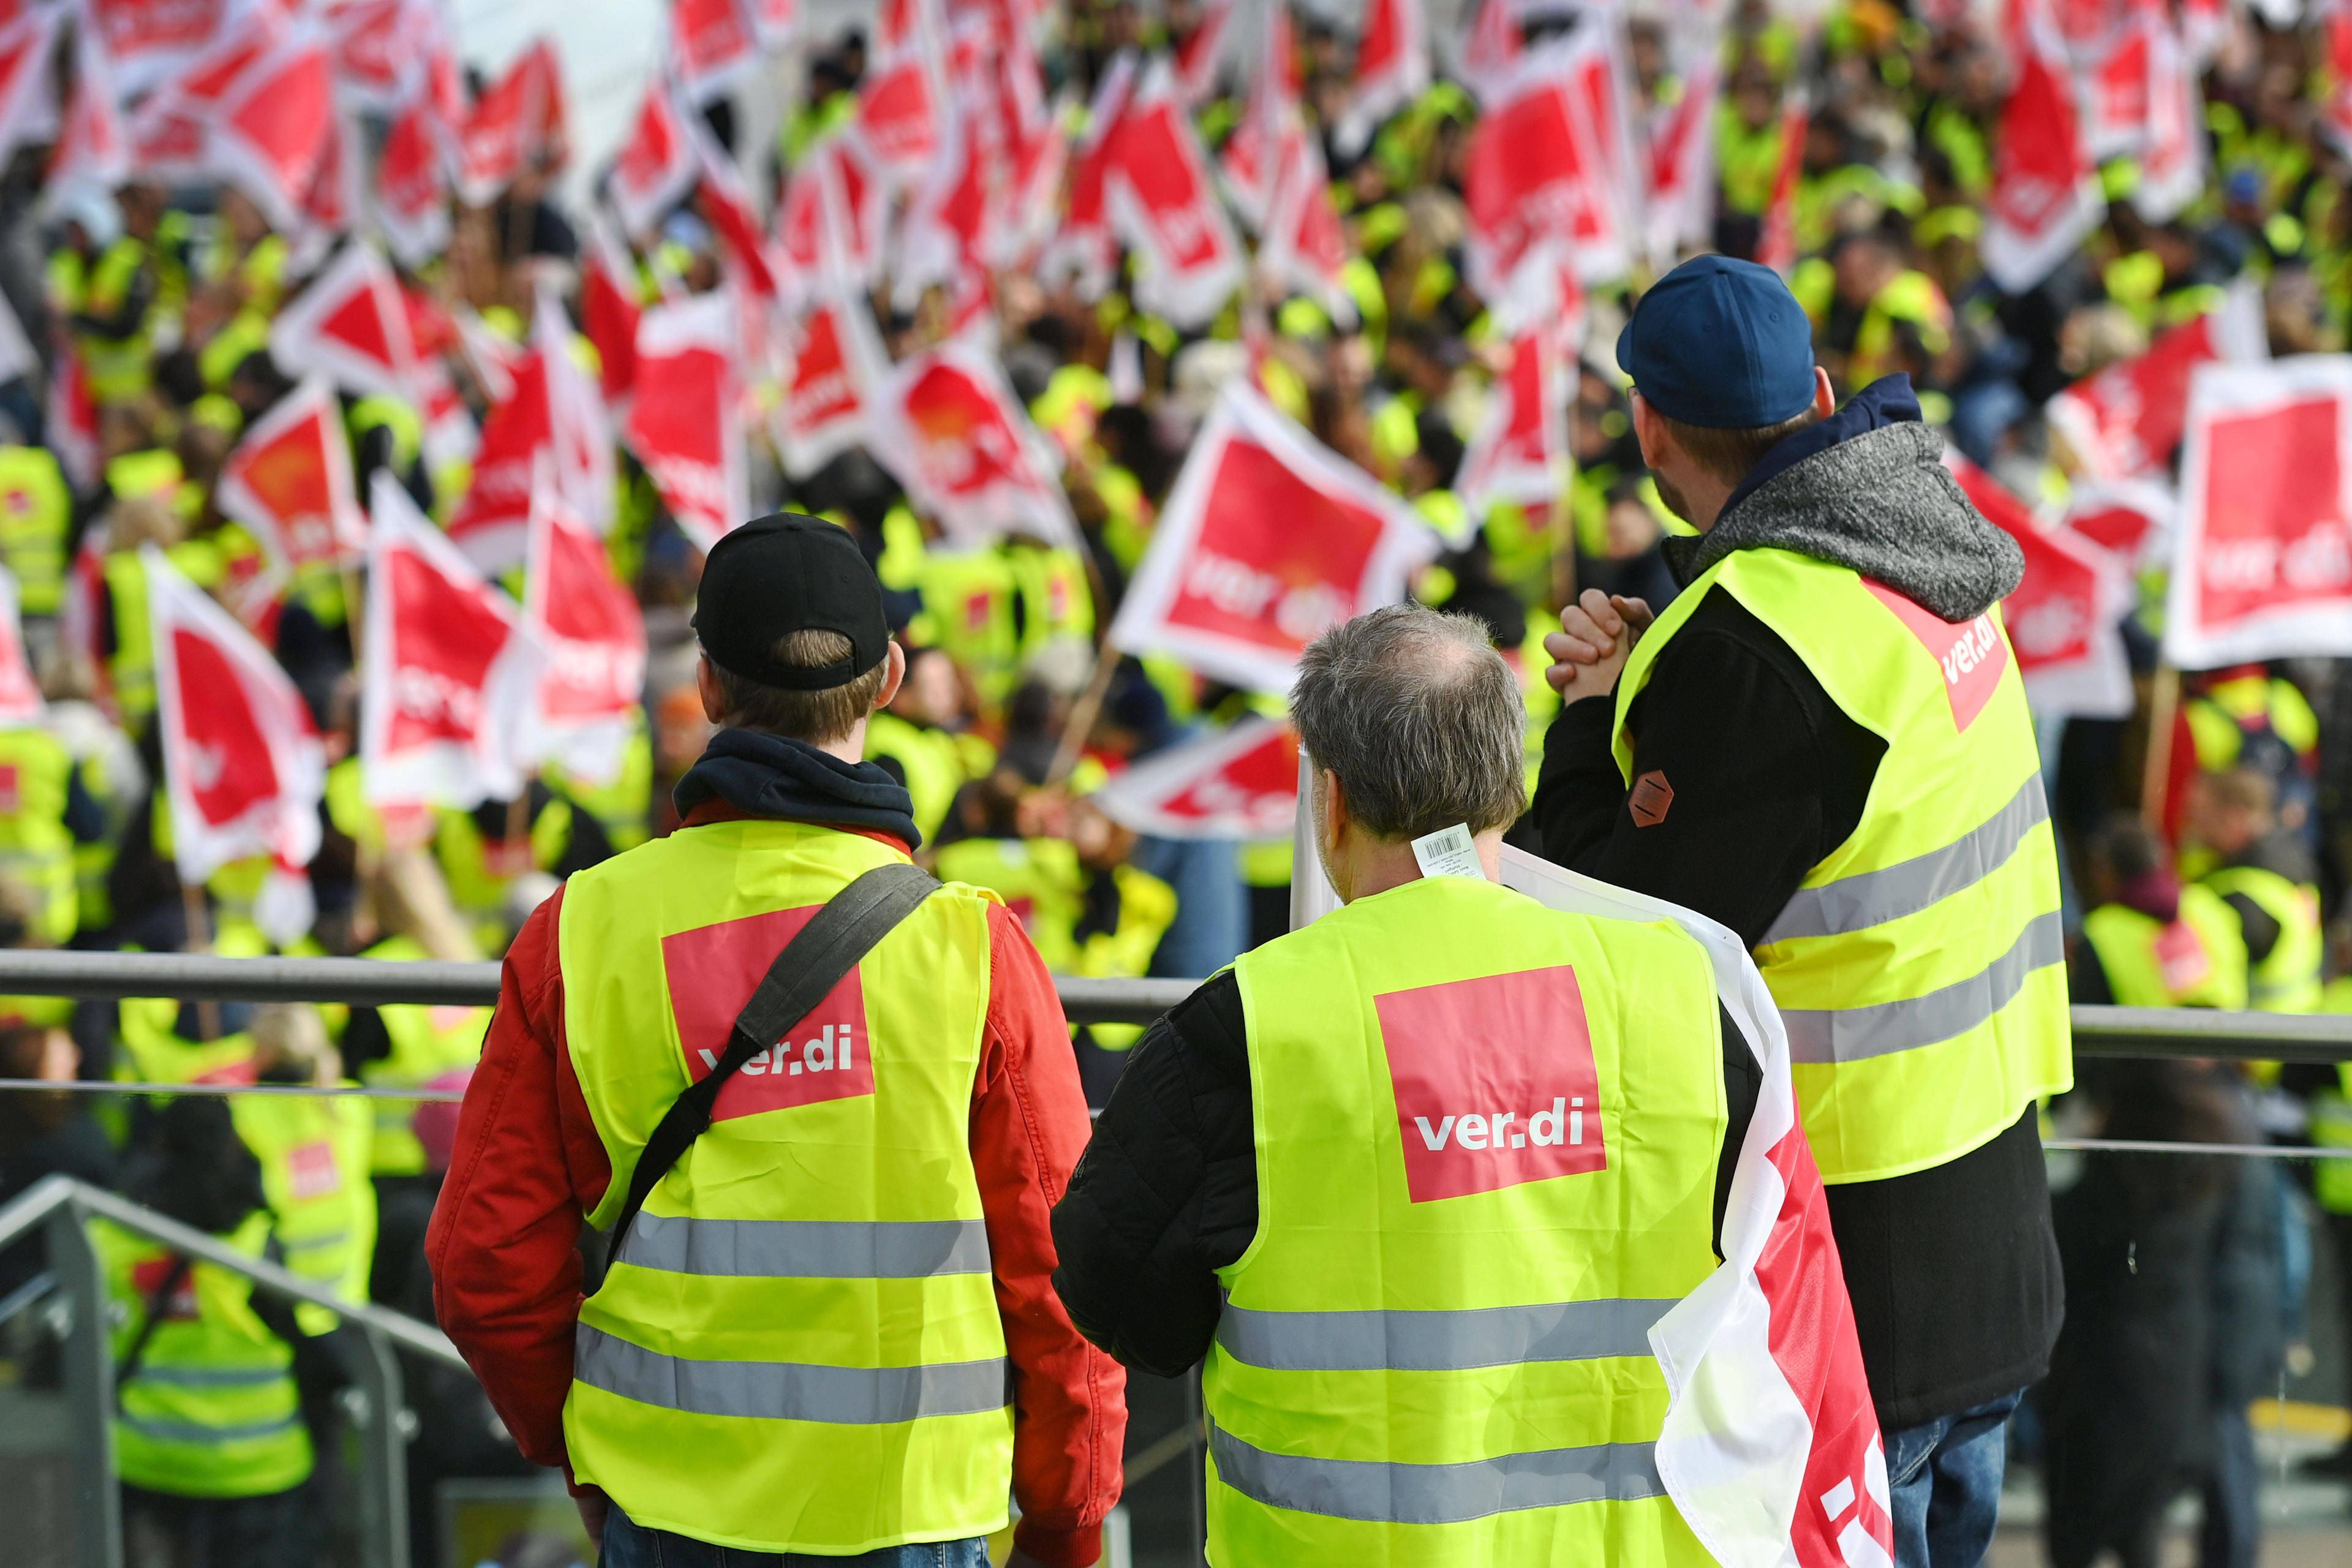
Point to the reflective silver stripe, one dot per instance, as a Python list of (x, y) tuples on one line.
[(1438, 1341), (1872, 897), (1436, 1494), (1857, 1033), (314, 1243), (195, 1431), (787, 1391), (211, 1376), (808, 1248)]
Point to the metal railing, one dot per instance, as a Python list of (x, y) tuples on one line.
[(65, 1207)]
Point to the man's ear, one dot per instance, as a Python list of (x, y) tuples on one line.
[(1331, 821), (1650, 432), (706, 685), (893, 678), (1824, 395)]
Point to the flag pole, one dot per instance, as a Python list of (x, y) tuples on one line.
[(2157, 770), (200, 940)]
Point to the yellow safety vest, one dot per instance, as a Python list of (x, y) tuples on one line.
[(2198, 960), (967, 611), (36, 509), (212, 1411), (1920, 967), (1435, 1350), (36, 850), (931, 759), (797, 1349), (622, 808), (313, 1154), (427, 1042), (1056, 600), (478, 879), (1037, 879), (2288, 980), (119, 369), (1147, 908), (2331, 1117)]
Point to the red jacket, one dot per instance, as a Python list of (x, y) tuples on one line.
[(528, 1166)]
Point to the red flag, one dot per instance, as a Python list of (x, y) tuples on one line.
[(2123, 422), (288, 481), (1239, 782), (829, 228), (1681, 212), (1197, 56), (1537, 173), (447, 678), (946, 424), (27, 103), (899, 106), (711, 47), (2045, 191), (1493, 48), (412, 181), (944, 237), (171, 130), (149, 39), (94, 146), (774, 21), (1268, 539), (519, 122), (727, 206), (657, 166), (1083, 248), (1161, 201), (2262, 565), (1776, 244), (592, 639), (1303, 248), (1391, 70), (2131, 520), (684, 423), (275, 126), (350, 324), (242, 763), (20, 694), (2065, 618), (380, 49), (2172, 163), (609, 307), (70, 420), (2335, 113), (1520, 452), (555, 413), (1254, 152), (836, 356)]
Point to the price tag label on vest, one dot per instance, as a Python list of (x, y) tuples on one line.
[(1448, 852)]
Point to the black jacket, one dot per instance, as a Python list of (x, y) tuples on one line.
[(1167, 1191), (1954, 1271)]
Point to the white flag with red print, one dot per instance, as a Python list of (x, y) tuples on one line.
[(1520, 451), (2125, 420), (20, 694), (944, 237), (901, 102), (288, 481), (946, 424), (556, 411), (711, 46), (1252, 154), (1197, 56), (412, 180), (2045, 196), (591, 639), (2132, 520), (93, 147), (829, 225), (27, 100), (520, 121), (380, 49), (657, 166), (1268, 539), (685, 420), (2336, 110), (836, 356), (2065, 618), (1490, 48), (149, 39), (610, 306), (1391, 70), (1680, 214), (773, 21), (727, 206), (2261, 564), (1081, 248), (1161, 200), (171, 130), (275, 123), (351, 325), (1303, 248), (242, 763), (1539, 174), (1239, 782), (448, 677)]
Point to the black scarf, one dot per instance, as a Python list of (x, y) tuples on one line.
[(777, 777)]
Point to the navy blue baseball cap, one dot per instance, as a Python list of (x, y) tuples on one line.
[(1721, 343)]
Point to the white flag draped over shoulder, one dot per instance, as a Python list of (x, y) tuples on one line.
[(448, 677), (1240, 781), (243, 766)]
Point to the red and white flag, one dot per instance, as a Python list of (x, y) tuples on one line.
[(2045, 187), (2065, 618), (554, 412), (774, 21), (243, 766), (2131, 520), (94, 144), (519, 122), (657, 166), (2262, 565), (288, 481), (2336, 110), (350, 324), (2172, 163), (1520, 451), (726, 207), (2125, 420), (275, 126), (829, 227), (448, 678), (836, 356), (1252, 154), (171, 130), (685, 420), (1197, 56), (1680, 216), (1082, 248), (591, 639), (902, 101), (946, 424), (1160, 200), (412, 180), (149, 39), (1240, 781), (711, 46), (945, 237), (69, 416), (20, 694), (1490, 48), (28, 106), (1302, 247), (610, 306), (1537, 173), (1391, 70), (1268, 539), (1776, 241), (379, 51)]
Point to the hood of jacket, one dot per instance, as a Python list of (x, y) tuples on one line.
[(773, 776), (1867, 488)]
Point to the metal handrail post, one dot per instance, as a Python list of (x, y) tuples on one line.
[(89, 1389), (385, 1424)]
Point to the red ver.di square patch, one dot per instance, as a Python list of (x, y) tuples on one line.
[(712, 972), (1971, 654), (1494, 1082)]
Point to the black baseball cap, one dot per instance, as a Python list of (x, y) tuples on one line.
[(786, 574), (1722, 343)]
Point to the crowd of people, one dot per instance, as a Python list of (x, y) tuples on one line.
[(2207, 854)]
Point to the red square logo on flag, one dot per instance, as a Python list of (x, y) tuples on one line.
[(712, 972), (1494, 1082), (1278, 561), (2276, 532), (1972, 655)]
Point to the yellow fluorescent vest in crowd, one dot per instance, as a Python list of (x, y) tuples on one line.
[(2331, 1117), (2287, 981), (36, 851), (1486, 1139), (797, 1349), (313, 1154), (930, 758), (2198, 960), (212, 1411), (1920, 967), (1037, 879), (35, 510), (426, 1042)]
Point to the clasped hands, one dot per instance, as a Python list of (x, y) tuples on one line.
[(1596, 635)]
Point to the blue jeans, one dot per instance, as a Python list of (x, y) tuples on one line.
[(628, 1544), (1945, 1477)]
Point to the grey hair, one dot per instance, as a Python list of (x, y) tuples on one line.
[(1419, 716)]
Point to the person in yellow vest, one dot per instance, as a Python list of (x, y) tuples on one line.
[(2150, 939), (2266, 877), (911, 739), (44, 815), (828, 1326), (36, 511), (313, 1152), (1823, 743), (102, 287), (2330, 1090), (209, 1439), (1392, 1174)]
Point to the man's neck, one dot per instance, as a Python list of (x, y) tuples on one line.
[(1390, 863)]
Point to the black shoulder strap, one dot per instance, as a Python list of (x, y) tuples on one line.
[(159, 1302), (811, 964)]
